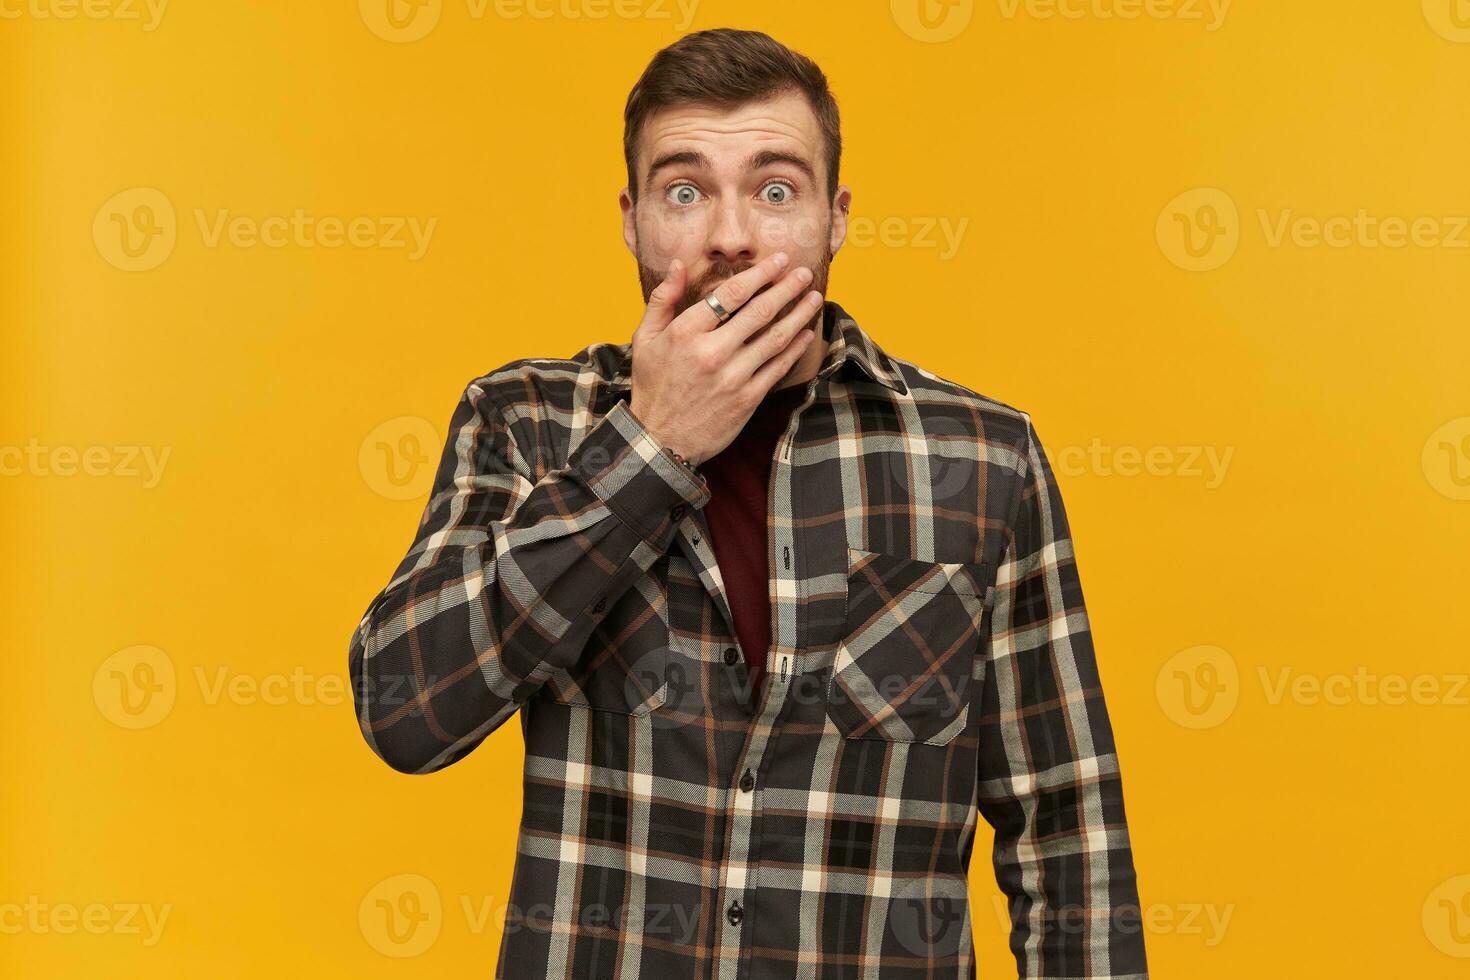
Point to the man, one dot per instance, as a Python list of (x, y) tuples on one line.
[(782, 613)]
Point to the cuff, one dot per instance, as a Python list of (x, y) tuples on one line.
[(630, 472)]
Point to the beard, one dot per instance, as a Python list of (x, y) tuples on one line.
[(696, 289)]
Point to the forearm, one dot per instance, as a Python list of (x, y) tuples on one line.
[(506, 581)]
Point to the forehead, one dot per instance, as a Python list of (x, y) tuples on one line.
[(782, 122)]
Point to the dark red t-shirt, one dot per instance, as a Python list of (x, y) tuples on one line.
[(739, 477)]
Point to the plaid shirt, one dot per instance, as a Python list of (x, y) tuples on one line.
[(930, 661)]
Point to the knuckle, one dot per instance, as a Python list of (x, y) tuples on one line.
[(763, 307)]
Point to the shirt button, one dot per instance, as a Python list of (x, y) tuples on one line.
[(678, 512), (731, 656), (600, 605), (736, 913), (747, 782)]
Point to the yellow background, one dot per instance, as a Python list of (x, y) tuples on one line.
[(1276, 833)]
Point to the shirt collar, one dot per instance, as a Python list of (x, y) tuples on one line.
[(849, 347)]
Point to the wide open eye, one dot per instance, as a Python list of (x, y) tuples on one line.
[(683, 194), (777, 192)]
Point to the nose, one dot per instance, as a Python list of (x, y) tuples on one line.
[(731, 237)]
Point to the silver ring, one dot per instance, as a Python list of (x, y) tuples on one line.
[(718, 307)]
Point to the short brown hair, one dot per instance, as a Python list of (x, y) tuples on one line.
[(724, 68)]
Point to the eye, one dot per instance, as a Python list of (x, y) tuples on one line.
[(683, 194), (777, 192)]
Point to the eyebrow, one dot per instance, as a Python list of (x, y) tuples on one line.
[(756, 161)]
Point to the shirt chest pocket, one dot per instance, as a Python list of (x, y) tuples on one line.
[(625, 663), (903, 670)]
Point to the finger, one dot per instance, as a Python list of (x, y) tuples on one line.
[(766, 304), (733, 292), (661, 302), (764, 379), (749, 357)]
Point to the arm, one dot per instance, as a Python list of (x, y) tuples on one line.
[(504, 579), (1048, 776)]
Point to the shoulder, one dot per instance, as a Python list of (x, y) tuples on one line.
[(995, 422), (529, 382)]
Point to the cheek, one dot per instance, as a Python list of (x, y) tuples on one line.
[(802, 234), (670, 235)]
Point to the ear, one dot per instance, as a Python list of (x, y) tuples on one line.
[(840, 203), (630, 222)]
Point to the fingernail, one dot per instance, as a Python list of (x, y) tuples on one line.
[(781, 260)]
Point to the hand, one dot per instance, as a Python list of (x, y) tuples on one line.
[(696, 382)]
